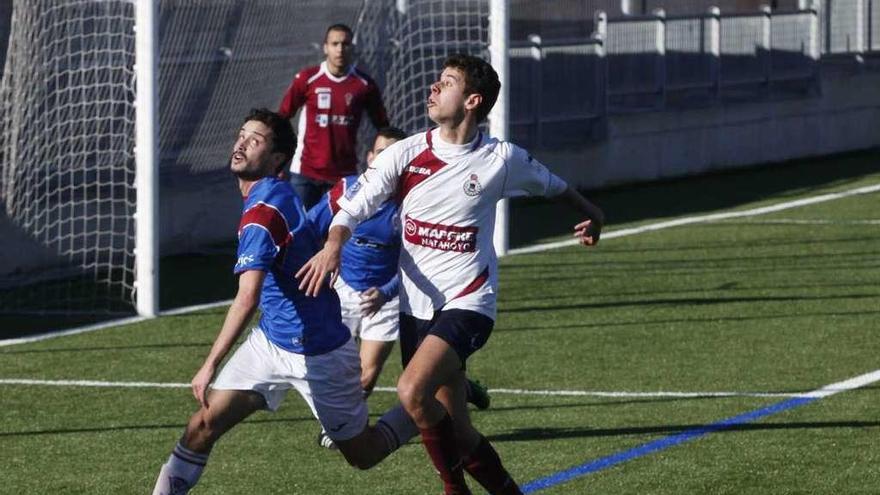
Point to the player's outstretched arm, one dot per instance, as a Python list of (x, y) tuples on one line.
[(589, 230), (313, 273), (250, 284)]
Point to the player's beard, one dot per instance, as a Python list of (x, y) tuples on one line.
[(248, 173)]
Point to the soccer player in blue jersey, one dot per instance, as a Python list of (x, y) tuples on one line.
[(300, 342), (368, 284)]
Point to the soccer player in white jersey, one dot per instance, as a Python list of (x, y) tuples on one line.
[(300, 342), (368, 283), (447, 181)]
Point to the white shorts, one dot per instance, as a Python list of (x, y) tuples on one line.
[(382, 326), (330, 383)]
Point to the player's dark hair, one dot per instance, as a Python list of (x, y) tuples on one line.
[(391, 132), (338, 27), (283, 137), (479, 78)]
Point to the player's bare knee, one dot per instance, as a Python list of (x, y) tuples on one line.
[(200, 433), (412, 397)]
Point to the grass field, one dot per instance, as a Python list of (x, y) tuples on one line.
[(772, 304)]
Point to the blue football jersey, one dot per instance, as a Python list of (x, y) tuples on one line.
[(369, 258), (275, 237)]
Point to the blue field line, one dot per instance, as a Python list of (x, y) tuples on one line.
[(661, 444)]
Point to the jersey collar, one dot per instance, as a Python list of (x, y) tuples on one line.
[(333, 78)]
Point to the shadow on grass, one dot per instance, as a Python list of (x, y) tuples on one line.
[(175, 426), (528, 434), (689, 301), (632, 323), (735, 286)]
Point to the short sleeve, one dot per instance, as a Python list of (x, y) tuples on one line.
[(256, 249), (526, 176)]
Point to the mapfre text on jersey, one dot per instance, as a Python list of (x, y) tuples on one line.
[(439, 236)]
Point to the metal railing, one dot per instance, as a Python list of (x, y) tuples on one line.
[(646, 61)]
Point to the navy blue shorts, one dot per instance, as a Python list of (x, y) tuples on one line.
[(465, 331)]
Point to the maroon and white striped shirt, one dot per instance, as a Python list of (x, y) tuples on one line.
[(447, 195)]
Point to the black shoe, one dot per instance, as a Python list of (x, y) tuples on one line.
[(325, 441), (478, 395)]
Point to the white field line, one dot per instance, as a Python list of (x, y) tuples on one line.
[(498, 391), (706, 218), (803, 221), (530, 249), (112, 323), (846, 385)]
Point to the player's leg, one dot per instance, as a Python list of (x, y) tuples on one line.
[(349, 300), (439, 361), (480, 459), (378, 334), (374, 353), (376, 442), (434, 365), (330, 385), (242, 387), (226, 408)]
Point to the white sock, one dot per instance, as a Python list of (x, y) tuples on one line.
[(397, 427), (181, 472)]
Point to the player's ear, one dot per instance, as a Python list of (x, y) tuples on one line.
[(472, 101)]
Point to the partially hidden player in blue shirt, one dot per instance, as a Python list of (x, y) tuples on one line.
[(300, 342)]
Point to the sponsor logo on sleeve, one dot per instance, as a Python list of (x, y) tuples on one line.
[(245, 259), (441, 237), (351, 191)]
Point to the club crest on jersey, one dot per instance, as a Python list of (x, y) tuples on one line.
[(348, 97), (472, 186), (352, 190)]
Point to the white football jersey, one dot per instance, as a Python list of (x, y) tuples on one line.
[(447, 195)]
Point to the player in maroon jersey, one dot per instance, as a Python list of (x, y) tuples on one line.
[(333, 97)]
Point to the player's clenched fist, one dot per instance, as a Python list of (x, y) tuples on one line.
[(200, 384), (588, 232)]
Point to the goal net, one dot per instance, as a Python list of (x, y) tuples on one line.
[(404, 43), (67, 138), (66, 162)]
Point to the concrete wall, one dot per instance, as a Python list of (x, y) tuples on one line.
[(646, 146)]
